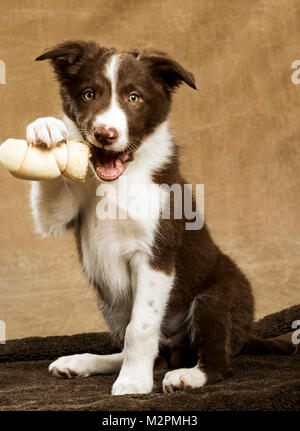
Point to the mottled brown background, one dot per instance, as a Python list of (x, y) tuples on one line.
[(239, 135)]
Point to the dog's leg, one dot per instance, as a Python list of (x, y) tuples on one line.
[(151, 291), (210, 332), (53, 206), (53, 203), (85, 365)]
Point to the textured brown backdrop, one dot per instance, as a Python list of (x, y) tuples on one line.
[(239, 135)]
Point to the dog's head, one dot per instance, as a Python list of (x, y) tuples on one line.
[(115, 99)]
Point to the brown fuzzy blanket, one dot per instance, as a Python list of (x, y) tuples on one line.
[(262, 382)]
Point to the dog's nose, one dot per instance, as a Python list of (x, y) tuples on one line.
[(106, 136)]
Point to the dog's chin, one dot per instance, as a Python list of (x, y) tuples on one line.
[(109, 165)]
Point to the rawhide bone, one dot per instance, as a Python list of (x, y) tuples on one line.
[(30, 162)]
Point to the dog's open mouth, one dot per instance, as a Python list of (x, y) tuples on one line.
[(109, 165)]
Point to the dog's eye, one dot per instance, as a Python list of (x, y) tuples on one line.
[(88, 95), (133, 98)]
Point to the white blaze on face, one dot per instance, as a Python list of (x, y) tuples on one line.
[(114, 116)]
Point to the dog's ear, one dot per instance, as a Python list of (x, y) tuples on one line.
[(164, 68), (68, 57)]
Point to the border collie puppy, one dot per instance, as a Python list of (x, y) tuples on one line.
[(167, 293)]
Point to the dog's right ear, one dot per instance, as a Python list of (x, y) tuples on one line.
[(68, 57)]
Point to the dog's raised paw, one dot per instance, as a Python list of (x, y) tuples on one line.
[(46, 132), (184, 378)]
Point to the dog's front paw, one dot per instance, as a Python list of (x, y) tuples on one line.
[(72, 366), (132, 385), (46, 132)]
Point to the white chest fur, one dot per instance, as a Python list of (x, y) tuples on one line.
[(107, 247), (119, 220)]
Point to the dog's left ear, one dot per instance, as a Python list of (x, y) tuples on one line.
[(167, 70), (68, 57)]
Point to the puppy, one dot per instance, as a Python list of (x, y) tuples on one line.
[(167, 292)]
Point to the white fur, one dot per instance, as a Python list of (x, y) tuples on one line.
[(114, 116), (52, 197), (72, 129), (47, 131), (86, 364), (184, 378), (151, 292)]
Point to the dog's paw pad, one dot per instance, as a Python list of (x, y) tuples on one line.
[(72, 373), (63, 374), (184, 378)]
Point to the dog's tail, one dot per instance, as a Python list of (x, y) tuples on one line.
[(281, 345)]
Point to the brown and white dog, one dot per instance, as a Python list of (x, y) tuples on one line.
[(165, 291)]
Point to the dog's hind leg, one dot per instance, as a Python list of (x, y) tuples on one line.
[(212, 328), (220, 320), (86, 364), (209, 332)]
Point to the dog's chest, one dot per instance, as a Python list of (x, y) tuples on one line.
[(116, 225)]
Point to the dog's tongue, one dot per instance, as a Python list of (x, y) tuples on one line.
[(110, 167)]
